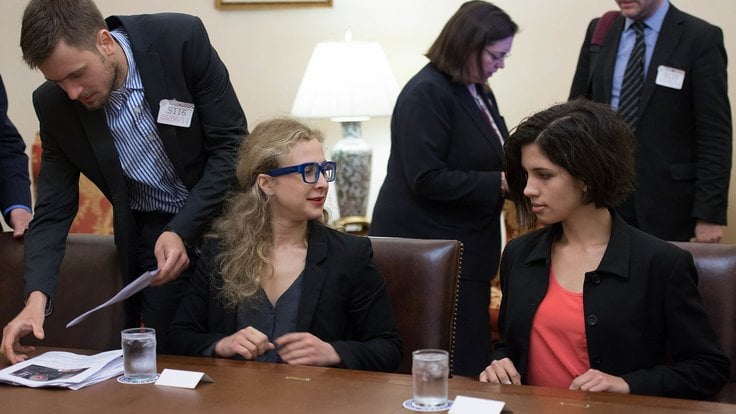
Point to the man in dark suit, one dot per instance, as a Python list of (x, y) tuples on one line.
[(143, 106), (683, 119), (15, 186)]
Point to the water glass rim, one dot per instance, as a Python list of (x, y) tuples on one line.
[(430, 351), (141, 330)]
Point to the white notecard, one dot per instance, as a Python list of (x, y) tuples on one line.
[(182, 379), (472, 405)]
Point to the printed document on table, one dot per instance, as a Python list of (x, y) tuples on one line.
[(131, 289), (64, 369)]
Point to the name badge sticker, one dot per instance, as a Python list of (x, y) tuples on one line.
[(670, 77), (173, 112)]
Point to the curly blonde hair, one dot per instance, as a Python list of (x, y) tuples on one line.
[(244, 229)]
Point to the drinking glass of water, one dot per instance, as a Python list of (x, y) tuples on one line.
[(139, 355), (430, 369)]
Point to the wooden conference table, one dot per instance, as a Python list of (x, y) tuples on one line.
[(254, 387)]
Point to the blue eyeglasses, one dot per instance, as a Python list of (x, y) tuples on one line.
[(310, 171)]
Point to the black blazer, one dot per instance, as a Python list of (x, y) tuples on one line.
[(343, 302), (444, 171), (683, 159), (175, 60), (15, 185), (644, 317)]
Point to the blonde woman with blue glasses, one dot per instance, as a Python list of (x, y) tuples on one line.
[(276, 284)]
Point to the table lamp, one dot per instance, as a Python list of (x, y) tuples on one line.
[(348, 82)]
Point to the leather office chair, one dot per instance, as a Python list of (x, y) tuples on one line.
[(89, 275), (422, 277), (716, 264)]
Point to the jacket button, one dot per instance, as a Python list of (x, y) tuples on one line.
[(595, 279), (592, 320)]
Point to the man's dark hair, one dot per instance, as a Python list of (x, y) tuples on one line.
[(46, 22)]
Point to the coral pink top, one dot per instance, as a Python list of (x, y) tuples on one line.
[(558, 350)]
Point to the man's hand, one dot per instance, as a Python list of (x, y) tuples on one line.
[(171, 256), (501, 371), (248, 342), (303, 348), (19, 219), (594, 380), (706, 232), (30, 319)]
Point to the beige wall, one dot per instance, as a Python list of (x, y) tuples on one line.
[(267, 51)]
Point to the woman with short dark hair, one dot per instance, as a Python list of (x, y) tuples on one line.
[(444, 178), (590, 302)]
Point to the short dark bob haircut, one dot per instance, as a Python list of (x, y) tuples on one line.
[(474, 26), (589, 140)]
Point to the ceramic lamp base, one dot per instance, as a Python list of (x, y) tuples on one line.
[(354, 157)]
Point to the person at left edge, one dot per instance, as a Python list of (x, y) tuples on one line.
[(15, 186), (107, 82)]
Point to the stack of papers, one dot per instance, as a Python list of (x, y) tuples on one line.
[(64, 369)]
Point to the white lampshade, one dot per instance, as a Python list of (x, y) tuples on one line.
[(346, 81)]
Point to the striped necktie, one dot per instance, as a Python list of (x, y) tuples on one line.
[(631, 86)]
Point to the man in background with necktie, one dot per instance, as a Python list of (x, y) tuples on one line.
[(665, 72)]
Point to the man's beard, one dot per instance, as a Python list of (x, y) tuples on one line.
[(101, 100)]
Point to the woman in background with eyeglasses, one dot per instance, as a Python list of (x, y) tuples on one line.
[(276, 284), (444, 178)]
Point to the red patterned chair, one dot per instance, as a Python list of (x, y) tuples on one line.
[(95, 212)]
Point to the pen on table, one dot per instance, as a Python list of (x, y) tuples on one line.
[(299, 378)]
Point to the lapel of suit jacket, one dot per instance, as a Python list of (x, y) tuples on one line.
[(607, 59), (313, 277), (471, 108), (669, 37), (106, 155), (103, 146), (151, 70)]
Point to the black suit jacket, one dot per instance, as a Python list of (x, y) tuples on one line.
[(684, 137), (175, 60), (644, 317), (443, 179), (15, 186), (343, 302)]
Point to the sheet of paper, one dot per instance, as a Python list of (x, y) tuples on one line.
[(182, 379), (132, 288), (472, 405)]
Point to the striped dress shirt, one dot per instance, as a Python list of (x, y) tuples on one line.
[(152, 181)]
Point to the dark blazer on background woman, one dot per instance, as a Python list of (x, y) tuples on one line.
[(444, 178)]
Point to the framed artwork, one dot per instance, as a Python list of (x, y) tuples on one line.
[(261, 4)]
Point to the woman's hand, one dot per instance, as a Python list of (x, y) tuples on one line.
[(501, 371), (594, 380), (303, 348), (248, 342)]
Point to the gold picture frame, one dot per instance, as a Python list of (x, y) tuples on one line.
[(261, 4)]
